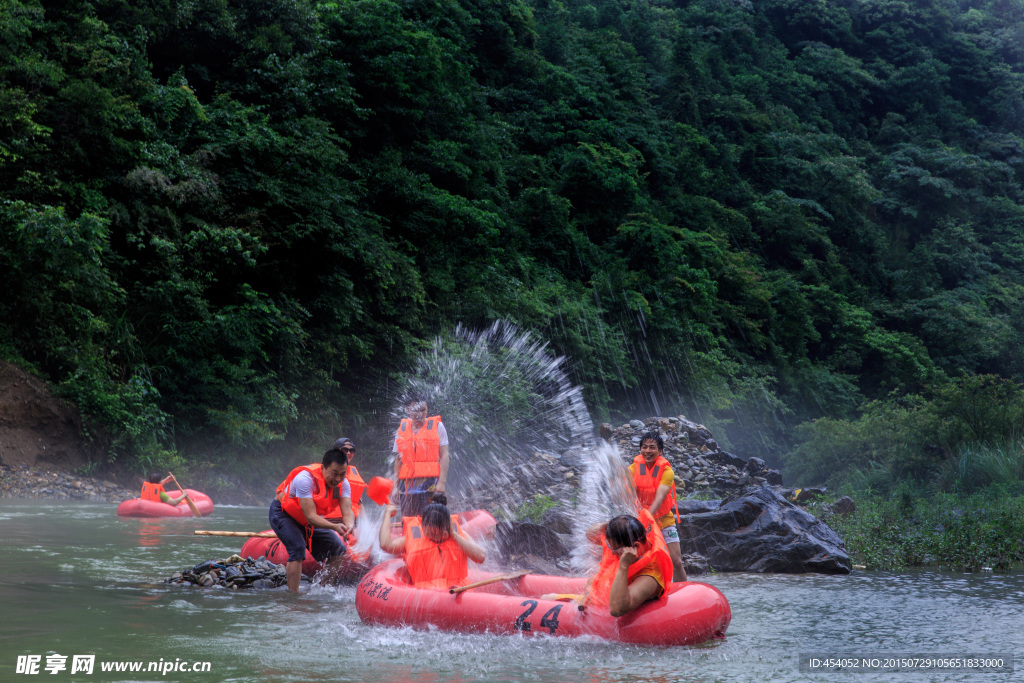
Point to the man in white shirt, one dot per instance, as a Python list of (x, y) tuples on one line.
[(421, 460), (298, 514)]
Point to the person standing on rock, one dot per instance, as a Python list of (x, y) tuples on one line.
[(153, 489), (297, 515), (656, 489), (421, 460)]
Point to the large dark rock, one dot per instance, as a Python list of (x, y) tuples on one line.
[(698, 434), (763, 532), (536, 564), (526, 538), (757, 468)]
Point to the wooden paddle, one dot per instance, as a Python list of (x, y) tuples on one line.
[(494, 579), (243, 534), (191, 505)]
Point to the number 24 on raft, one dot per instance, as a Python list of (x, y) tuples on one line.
[(548, 621)]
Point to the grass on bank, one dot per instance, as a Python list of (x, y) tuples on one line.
[(915, 526)]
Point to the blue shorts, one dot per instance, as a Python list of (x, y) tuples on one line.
[(326, 543)]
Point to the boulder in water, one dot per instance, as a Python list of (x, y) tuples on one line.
[(763, 532)]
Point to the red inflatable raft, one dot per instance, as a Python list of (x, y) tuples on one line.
[(136, 507), (686, 614), (356, 564), (478, 524)]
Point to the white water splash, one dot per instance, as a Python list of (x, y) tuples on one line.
[(502, 396), (607, 490)]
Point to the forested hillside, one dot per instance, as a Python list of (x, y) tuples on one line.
[(223, 222)]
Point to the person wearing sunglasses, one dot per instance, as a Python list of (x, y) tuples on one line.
[(354, 479)]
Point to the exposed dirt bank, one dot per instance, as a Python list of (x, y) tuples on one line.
[(37, 429)]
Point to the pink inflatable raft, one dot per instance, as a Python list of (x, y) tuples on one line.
[(686, 614), (136, 507)]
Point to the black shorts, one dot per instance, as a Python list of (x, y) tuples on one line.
[(326, 543), (415, 494)]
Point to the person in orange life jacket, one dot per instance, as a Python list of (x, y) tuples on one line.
[(655, 487), (355, 480), (436, 555), (297, 515), (421, 456), (635, 563), (153, 489)]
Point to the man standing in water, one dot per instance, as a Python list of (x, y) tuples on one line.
[(655, 487), (306, 495), (421, 460)]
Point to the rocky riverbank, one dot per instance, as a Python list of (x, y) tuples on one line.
[(753, 523), (20, 481), (701, 467)]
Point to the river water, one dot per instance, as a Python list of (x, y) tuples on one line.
[(78, 580)]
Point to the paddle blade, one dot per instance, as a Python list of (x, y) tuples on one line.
[(379, 490), (192, 506)]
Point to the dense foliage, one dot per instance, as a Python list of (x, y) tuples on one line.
[(223, 223)]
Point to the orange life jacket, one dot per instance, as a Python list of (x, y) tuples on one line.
[(647, 479), (324, 499), (420, 451), (356, 483), (656, 551), (152, 492), (433, 565)]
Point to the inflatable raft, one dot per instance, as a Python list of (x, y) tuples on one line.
[(478, 524), (136, 507), (356, 564), (686, 614)]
